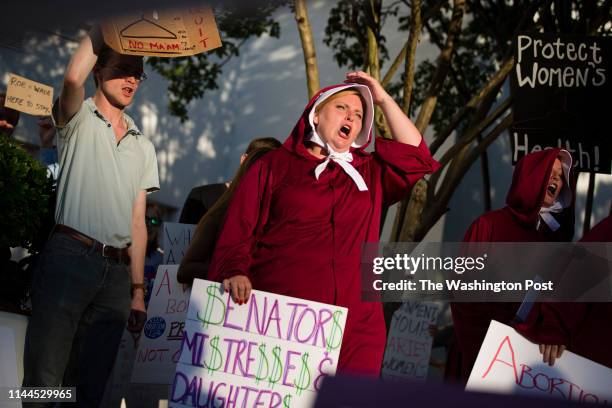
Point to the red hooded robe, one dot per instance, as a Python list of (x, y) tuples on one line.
[(587, 326), (518, 221), (295, 235)]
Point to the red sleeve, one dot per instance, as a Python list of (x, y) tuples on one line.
[(551, 323), (246, 215), (479, 231), (402, 166)]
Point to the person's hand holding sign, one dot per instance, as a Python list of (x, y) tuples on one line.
[(240, 288), (551, 352)]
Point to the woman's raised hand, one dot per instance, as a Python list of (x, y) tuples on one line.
[(379, 95)]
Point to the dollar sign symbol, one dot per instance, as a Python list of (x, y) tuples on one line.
[(262, 360), (277, 367), (216, 359), (335, 337), (304, 379), (212, 291), (287, 401)]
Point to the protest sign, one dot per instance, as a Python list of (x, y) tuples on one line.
[(159, 345), (120, 387), (508, 363), (28, 96), (560, 87), (273, 351), (163, 33), (409, 342), (175, 239)]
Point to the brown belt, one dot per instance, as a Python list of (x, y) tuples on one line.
[(118, 254)]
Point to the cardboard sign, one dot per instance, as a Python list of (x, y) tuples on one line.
[(509, 364), (175, 239), (28, 96), (163, 33), (409, 342), (159, 345), (273, 351), (561, 86)]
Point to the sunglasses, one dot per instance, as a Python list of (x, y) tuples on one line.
[(153, 221), (124, 71)]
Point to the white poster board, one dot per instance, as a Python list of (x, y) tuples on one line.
[(160, 342), (272, 351), (409, 342), (510, 364), (175, 240)]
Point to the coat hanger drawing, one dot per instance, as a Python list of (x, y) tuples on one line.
[(145, 28)]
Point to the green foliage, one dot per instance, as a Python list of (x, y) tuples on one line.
[(346, 35), (25, 193), (475, 58), (190, 77)]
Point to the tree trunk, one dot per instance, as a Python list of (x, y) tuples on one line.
[(373, 62), (308, 47), (413, 40)]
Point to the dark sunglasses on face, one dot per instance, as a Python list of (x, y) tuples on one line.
[(124, 71), (152, 221)]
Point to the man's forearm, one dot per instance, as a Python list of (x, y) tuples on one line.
[(79, 67), (84, 59), (138, 249)]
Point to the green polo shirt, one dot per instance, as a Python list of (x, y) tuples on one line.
[(99, 178)]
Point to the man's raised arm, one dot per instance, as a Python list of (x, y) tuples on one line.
[(79, 67)]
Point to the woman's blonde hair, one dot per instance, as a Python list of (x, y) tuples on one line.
[(343, 93)]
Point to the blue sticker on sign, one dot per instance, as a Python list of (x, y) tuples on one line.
[(155, 327)]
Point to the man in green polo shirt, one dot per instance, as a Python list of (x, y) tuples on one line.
[(90, 274)]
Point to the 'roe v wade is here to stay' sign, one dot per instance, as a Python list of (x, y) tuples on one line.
[(561, 87), (273, 351)]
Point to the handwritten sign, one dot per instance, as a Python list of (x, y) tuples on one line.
[(163, 33), (409, 342), (175, 241), (160, 342), (509, 364), (274, 351), (561, 86), (28, 96)]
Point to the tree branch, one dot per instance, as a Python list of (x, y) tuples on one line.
[(402, 54), (428, 106), (493, 84), (439, 203)]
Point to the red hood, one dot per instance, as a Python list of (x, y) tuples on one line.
[(530, 180), (303, 128)]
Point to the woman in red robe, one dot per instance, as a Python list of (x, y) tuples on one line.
[(586, 328), (539, 207), (301, 214)]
